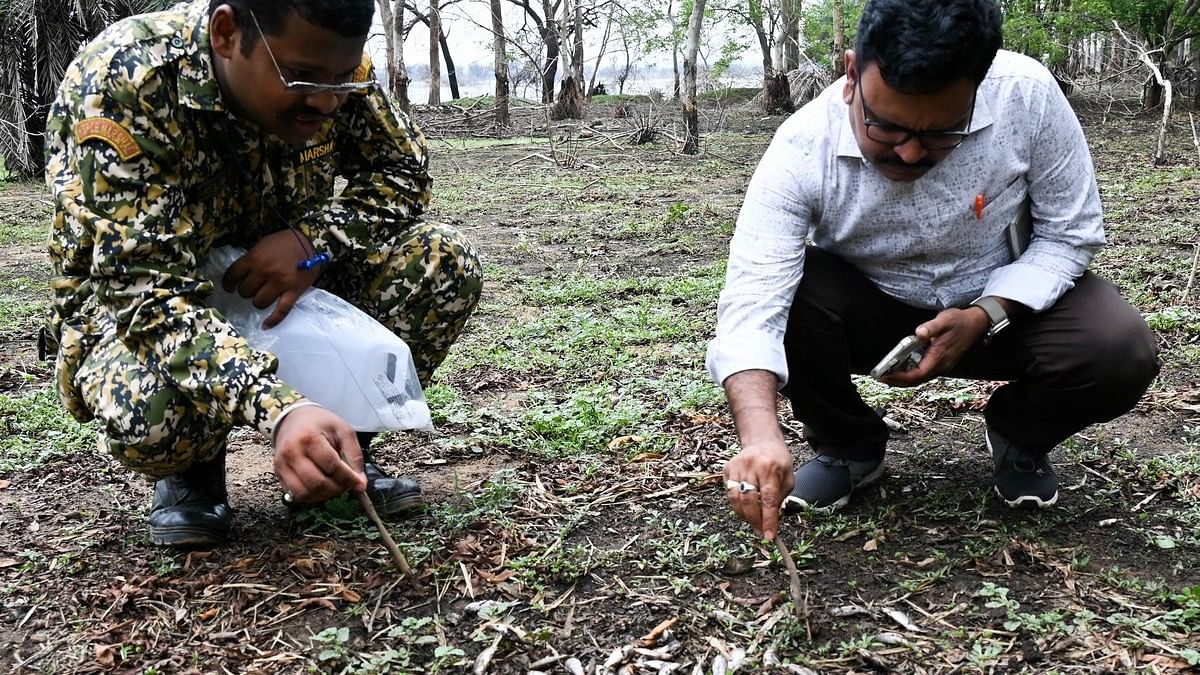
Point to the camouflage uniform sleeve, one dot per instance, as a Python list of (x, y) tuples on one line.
[(383, 155), (144, 251)]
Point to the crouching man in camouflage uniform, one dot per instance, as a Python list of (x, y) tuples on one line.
[(226, 122)]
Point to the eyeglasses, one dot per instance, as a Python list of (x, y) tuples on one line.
[(896, 135), (306, 88)]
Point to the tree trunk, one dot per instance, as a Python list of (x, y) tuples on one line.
[(792, 11), (691, 119), (577, 52), (399, 74), (435, 66), (550, 36), (501, 65), (674, 48), (1152, 93), (839, 40), (777, 92), (570, 93), (591, 90), (451, 73)]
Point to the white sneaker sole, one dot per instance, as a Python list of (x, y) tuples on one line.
[(1023, 500)]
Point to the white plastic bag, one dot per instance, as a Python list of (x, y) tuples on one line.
[(332, 352)]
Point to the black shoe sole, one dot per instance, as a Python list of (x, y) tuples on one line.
[(187, 536), (400, 505)]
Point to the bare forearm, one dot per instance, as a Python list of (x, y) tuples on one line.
[(752, 398)]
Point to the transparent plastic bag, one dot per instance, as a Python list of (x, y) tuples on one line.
[(332, 352)]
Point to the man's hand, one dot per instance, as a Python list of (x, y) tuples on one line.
[(268, 273), (310, 443), (764, 461), (768, 467), (948, 336)]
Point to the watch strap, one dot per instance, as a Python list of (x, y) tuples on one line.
[(997, 317)]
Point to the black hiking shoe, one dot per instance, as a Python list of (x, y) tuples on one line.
[(191, 508), (390, 496), (1022, 477), (825, 483)]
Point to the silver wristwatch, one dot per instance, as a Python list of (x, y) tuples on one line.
[(997, 317)]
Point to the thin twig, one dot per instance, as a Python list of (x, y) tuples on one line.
[(1192, 276), (799, 602), (388, 542)]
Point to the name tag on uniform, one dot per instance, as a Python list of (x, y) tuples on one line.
[(313, 152)]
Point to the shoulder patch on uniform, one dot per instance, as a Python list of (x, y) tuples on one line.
[(364, 69), (110, 132)]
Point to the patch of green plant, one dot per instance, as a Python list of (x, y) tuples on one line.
[(38, 431), (730, 94), (492, 502), (585, 422), (681, 547), (1174, 318), (613, 99), (23, 233)]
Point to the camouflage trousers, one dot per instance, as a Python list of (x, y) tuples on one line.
[(423, 284)]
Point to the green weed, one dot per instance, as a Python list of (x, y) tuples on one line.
[(39, 431)]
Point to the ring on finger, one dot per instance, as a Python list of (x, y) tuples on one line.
[(740, 486)]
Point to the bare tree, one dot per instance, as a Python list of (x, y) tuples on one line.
[(547, 29), (569, 104), (393, 33), (691, 119), (423, 17), (501, 64), (435, 66), (763, 17)]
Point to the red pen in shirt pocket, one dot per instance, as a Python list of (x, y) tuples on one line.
[(979, 206)]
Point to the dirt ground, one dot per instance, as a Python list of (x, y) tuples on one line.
[(576, 522)]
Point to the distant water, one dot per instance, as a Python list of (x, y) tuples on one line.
[(418, 92)]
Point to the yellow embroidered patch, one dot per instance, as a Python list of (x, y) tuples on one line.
[(110, 132), (363, 70), (314, 152)]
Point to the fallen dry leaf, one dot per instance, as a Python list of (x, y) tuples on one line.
[(621, 441), (5, 484), (871, 545), (645, 457), (8, 562), (208, 614)]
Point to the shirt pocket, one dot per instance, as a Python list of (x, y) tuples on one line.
[(1005, 221)]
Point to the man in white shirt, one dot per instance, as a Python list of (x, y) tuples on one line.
[(888, 207)]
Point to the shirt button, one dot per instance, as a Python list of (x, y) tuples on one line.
[(177, 42)]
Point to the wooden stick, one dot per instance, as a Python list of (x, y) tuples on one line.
[(388, 542), (799, 602)]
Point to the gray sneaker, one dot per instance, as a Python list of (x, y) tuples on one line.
[(825, 483), (1023, 477)]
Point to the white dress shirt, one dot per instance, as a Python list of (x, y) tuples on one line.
[(923, 242)]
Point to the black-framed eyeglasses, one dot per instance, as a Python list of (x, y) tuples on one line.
[(306, 88), (896, 135)]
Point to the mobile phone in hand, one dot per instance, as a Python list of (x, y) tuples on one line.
[(904, 356)]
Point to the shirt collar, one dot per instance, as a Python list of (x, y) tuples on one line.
[(198, 86), (981, 119)]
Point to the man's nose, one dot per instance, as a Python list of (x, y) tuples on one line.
[(911, 151), (324, 101)]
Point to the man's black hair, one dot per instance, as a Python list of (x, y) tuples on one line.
[(924, 46), (349, 18)]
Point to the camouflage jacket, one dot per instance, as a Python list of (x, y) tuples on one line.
[(150, 169)]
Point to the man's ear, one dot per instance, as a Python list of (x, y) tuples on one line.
[(223, 32), (851, 77)]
